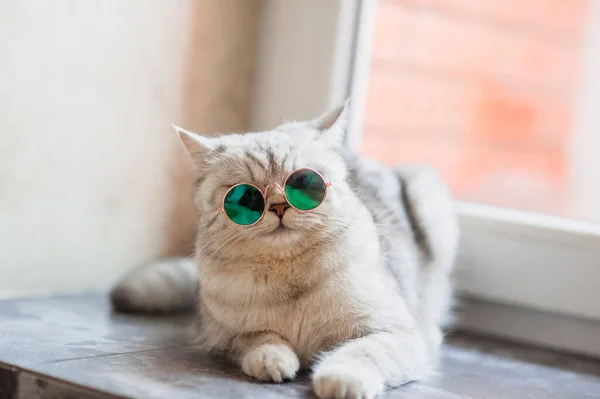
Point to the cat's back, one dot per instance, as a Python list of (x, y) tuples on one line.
[(380, 189), (413, 212)]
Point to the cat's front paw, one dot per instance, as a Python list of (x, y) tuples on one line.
[(271, 362), (341, 381)]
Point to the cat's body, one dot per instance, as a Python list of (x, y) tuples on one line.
[(359, 287)]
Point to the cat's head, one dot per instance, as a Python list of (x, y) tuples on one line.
[(263, 159)]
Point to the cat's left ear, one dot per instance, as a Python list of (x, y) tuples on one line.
[(197, 146), (333, 124)]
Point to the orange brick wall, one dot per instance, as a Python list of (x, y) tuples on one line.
[(482, 89)]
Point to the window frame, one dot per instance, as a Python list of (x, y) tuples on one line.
[(511, 263)]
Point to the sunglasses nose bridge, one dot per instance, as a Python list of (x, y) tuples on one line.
[(276, 185), (275, 196)]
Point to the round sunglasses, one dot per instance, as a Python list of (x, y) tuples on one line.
[(304, 189)]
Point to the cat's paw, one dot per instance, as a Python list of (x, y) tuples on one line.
[(341, 381), (271, 362)]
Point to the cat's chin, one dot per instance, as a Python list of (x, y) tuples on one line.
[(282, 236)]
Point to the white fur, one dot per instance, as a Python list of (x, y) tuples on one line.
[(346, 289), (271, 362)]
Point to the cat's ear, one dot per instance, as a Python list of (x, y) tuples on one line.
[(196, 145), (333, 124)]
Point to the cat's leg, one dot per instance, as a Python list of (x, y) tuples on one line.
[(266, 356), (363, 367)]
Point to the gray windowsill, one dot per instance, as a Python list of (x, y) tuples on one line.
[(75, 346)]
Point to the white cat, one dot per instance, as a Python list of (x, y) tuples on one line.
[(357, 289)]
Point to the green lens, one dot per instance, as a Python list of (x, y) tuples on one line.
[(244, 204), (305, 189)]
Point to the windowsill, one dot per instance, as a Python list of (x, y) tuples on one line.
[(525, 270), (531, 327), (527, 260), (74, 346)]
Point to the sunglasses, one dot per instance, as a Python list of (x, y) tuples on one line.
[(304, 189)]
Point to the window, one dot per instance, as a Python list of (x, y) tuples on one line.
[(488, 92), (501, 97)]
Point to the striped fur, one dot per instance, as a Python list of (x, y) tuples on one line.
[(357, 289)]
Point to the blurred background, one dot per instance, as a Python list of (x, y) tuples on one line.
[(501, 96), (495, 94)]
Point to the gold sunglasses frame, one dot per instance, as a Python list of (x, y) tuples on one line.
[(221, 209)]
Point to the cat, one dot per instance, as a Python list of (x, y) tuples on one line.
[(357, 289)]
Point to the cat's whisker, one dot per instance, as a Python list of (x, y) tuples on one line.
[(234, 236), (217, 237), (233, 243), (213, 240)]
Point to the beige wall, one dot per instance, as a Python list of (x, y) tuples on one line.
[(302, 68), (88, 161)]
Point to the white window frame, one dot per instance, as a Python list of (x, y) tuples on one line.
[(521, 275)]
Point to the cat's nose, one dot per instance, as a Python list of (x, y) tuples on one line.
[(279, 209)]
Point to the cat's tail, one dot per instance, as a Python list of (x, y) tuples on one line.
[(164, 286), (430, 210)]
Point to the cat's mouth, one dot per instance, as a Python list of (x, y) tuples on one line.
[(281, 229)]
